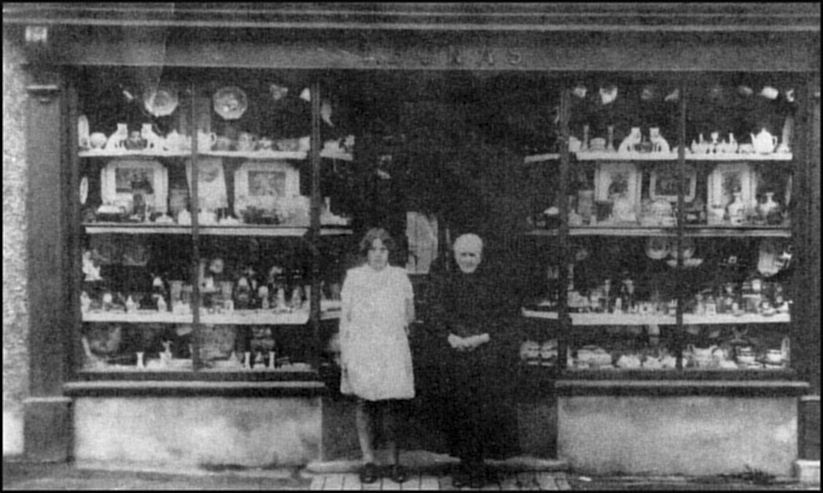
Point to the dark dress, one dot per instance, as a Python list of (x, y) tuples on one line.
[(476, 408)]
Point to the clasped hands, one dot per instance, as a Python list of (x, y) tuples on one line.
[(469, 343)]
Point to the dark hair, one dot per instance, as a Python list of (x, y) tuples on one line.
[(375, 234)]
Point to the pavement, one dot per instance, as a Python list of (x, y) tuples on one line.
[(21, 475)]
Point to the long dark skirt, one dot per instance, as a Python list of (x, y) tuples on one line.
[(477, 410)]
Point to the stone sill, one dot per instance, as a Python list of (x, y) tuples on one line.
[(114, 388), (671, 388)]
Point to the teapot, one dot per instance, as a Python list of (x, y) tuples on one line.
[(764, 142), (176, 142)]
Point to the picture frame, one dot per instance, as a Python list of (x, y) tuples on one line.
[(620, 177), (725, 178), (211, 183), (663, 183), (265, 184), (122, 178)]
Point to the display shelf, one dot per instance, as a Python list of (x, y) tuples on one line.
[(269, 155), (651, 156), (138, 317), (539, 158), (698, 231), (243, 230), (728, 231), (238, 317), (262, 155), (134, 154), (599, 319), (632, 156), (740, 157)]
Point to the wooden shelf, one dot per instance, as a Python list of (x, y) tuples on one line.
[(598, 319), (238, 317), (253, 155), (689, 231), (241, 230), (650, 156), (739, 157), (134, 154), (634, 156)]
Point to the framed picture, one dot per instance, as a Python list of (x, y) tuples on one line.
[(211, 183), (122, 179), (663, 183), (612, 179), (727, 178), (264, 184)]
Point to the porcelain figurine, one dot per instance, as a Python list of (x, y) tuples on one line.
[(91, 271), (700, 146), (659, 144), (118, 138), (85, 302), (764, 142), (584, 145), (610, 139), (714, 145), (153, 141), (131, 305), (730, 147), (628, 144)]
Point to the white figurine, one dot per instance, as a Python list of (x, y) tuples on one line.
[(91, 271)]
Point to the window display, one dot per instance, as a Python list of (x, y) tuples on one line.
[(241, 300), (647, 292)]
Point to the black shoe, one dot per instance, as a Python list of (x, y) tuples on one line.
[(398, 473), (369, 473)]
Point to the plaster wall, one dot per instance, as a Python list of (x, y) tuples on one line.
[(197, 432), (15, 311), (677, 435)]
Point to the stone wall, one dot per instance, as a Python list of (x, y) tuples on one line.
[(15, 311)]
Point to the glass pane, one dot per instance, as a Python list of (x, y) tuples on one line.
[(136, 256)]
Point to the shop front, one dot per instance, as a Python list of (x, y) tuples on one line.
[(199, 177)]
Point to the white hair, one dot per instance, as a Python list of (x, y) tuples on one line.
[(468, 242)]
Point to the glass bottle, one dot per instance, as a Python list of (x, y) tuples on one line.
[(737, 210)]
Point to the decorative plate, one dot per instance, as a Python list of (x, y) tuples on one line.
[(657, 248), (84, 190), (230, 102), (161, 101)]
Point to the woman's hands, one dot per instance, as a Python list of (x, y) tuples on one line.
[(469, 343)]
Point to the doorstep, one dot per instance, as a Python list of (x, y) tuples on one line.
[(430, 462)]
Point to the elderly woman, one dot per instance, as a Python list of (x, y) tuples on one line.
[(377, 308), (471, 321)]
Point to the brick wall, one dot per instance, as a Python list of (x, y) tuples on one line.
[(15, 311)]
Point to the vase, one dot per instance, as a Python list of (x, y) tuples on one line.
[(769, 210)]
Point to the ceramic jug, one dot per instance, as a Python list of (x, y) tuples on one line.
[(658, 142), (205, 140), (764, 142)]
